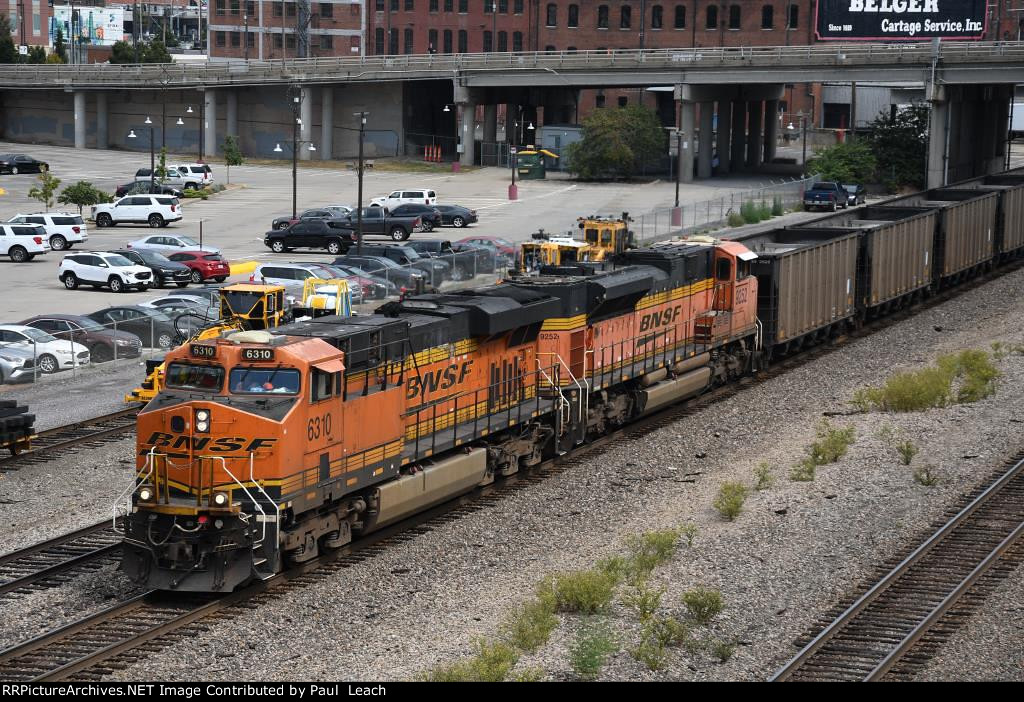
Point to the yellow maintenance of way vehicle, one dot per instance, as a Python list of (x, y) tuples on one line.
[(243, 307), (603, 238)]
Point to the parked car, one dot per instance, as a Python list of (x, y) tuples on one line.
[(204, 264), (206, 296), (373, 288), (16, 365), (156, 210), (64, 230), (826, 195), (187, 315), (185, 181), (376, 221), (20, 163), (463, 264), (200, 173), (430, 217), (331, 234), (406, 279), (152, 326), (101, 269), (456, 216), (170, 243), (52, 354), (142, 187), (104, 344), (400, 197), (328, 212), (855, 194), (500, 246), (436, 270), (23, 243), (165, 271)]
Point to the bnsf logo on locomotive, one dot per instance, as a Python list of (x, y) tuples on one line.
[(441, 379), (662, 318), (225, 444)]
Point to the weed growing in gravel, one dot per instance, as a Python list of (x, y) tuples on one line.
[(703, 603), (531, 674), (529, 627), (887, 434), (977, 376), (906, 451), (594, 643), (832, 443), (926, 475), (731, 496), (999, 350), (667, 631), (649, 550), (910, 391), (615, 567), (492, 663), (763, 476), (723, 650), (650, 652), (584, 591), (643, 600), (688, 532), (803, 472)]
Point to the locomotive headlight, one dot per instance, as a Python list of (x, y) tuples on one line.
[(220, 499), (146, 494), (202, 415), (202, 426), (202, 420)]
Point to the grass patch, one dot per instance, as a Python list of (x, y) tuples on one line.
[(926, 475), (492, 663), (649, 550), (723, 650), (650, 652), (730, 499), (964, 377), (906, 451), (804, 471), (588, 653), (832, 443), (668, 631), (735, 219), (777, 208), (529, 627), (584, 591), (643, 600), (689, 532), (703, 604), (887, 434), (763, 477)]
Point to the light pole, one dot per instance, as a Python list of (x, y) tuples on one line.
[(245, 35), (152, 153), (359, 203), (513, 191), (296, 143)]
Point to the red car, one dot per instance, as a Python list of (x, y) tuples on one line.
[(204, 265), (494, 243)]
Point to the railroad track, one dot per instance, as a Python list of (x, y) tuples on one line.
[(85, 434), (893, 628), (53, 562)]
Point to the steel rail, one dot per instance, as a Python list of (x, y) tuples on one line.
[(69, 435)]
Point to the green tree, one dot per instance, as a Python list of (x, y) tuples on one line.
[(59, 47), (850, 162), (48, 185), (54, 58), (169, 38), (8, 52), (161, 166), (232, 153), (36, 54), (83, 194), (900, 145), (122, 52), (155, 52), (616, 143)]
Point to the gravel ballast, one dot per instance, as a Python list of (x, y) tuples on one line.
[(796, 549)]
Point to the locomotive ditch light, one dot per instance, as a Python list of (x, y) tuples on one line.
[(146, 494), (202, 420), (221, 499)]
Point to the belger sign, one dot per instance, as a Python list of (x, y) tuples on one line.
[(899, 20)]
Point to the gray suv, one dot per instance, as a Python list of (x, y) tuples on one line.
[(16, 365)]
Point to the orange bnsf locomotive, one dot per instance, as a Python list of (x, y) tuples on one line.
[(267, 446)]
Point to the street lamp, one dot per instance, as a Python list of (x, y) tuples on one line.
[(359, 204), (152, 155), (202, 126), (296, 144)]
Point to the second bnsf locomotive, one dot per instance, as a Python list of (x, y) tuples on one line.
[(266, 446)]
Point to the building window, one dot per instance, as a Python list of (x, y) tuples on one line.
[(434, 5), (278, 42), (432, 41), (552, 20), (767, 17), (220, 7), (623, 101), (447, 41), (326, 9), (394, 5), (407, 48), (625, 17), (574, 15), (488, 41), (326, 42), (289, 41), (489, 6), (599, 101), (410, 5), (378, 48), (680, 21), (517, 7), (250, 8), (571, 49), (517, 41), (250, 39), (236, 39), (393, 41), (235, 7), (656, 17), (380, 5), (503, 6), (734, 16), (463, 41), (602, 17), (290, 9), (220, 39), (794, 17), (502, 42), (711, 22), (463, 6), (550, 48), (449, 5), (278, 9)]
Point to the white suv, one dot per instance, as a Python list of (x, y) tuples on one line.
[(401, 197), (157, 210), (65, 230), (199, 173), (22, 241), (100, 269)]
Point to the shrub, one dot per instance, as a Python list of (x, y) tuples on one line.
[(926, 476), (804, 471), (731, 496), (651, 549), (643, 600), (594, 643), (977, 376), (531, 674), (763, 476), (907, 451), (750, 213), (832, 443), (764, 211), (887, 435), (703, 604), (668, 631), (777, 207), (529, 627), (650, 652), (735, 219), (492, 663), (615, 567), (723, 650), (584, 591), (933, 386), (688, 532), (999, 350)]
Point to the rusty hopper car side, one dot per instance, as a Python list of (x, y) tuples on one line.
[(896, 251), (1010, 219), (806, 282), (966, 232)]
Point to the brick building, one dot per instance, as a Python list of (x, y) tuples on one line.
[(266, 29)]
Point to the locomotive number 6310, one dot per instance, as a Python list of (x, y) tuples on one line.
[(258, 354)]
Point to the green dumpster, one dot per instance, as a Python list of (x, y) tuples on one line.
[(530, 164)]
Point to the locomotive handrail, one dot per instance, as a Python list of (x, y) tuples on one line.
[(224, 466), (150, 463), (583, 387), (252, 479)]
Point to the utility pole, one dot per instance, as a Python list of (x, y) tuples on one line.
[(296, 96), (246, 35), (136, 21), (679, 162), (359, 198)]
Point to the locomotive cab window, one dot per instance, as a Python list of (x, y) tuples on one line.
[(723, 269), (742, 270), (324, 385), (264, 381), (187, 376)]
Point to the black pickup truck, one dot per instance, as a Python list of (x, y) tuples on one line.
[(825, 194), (466, 261), (377, 223), (331, 234)]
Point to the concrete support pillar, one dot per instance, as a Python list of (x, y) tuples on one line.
[(937, 139), (80, 119), (465, 105), (102, 121), (724, 136), (231, 123), (754, 137), (490, 123), (737, 151), (306, 128), (326, 123), (686, 125), (210, 146), (771, 129), (706, 139)]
